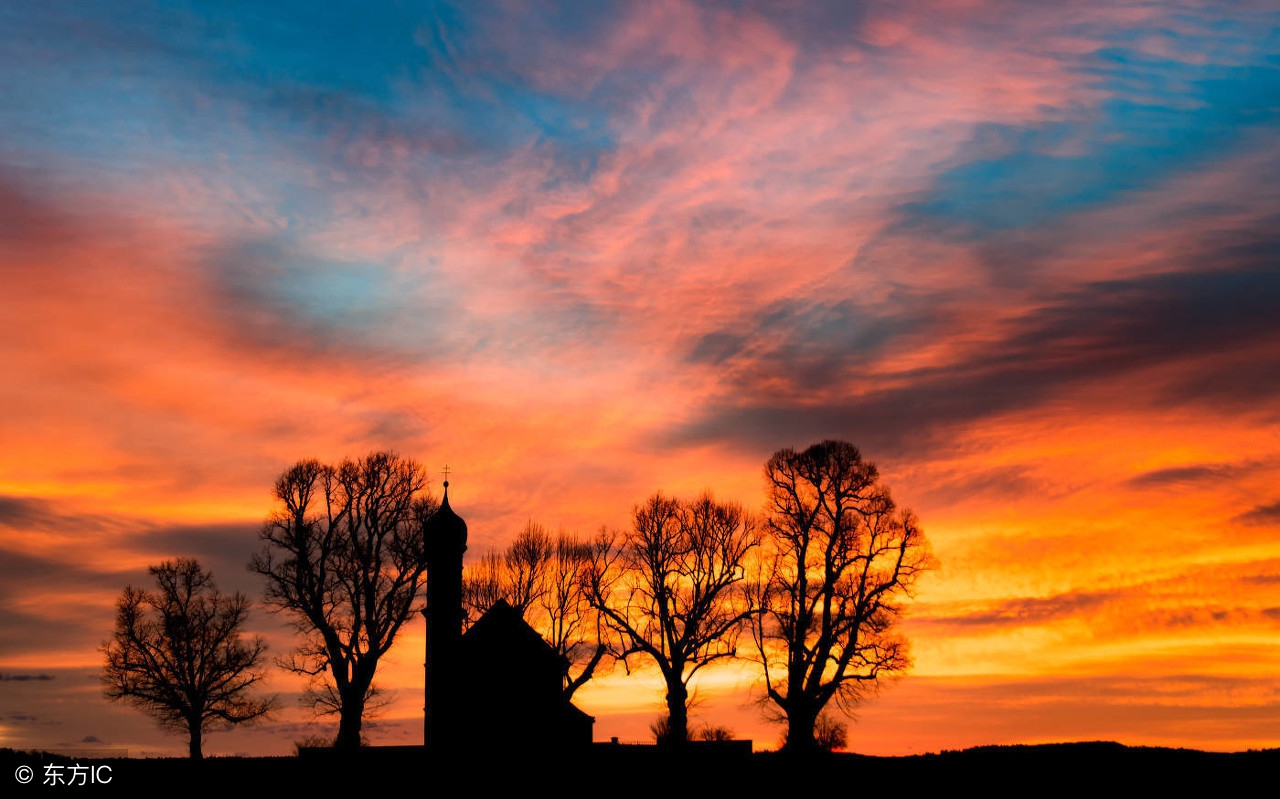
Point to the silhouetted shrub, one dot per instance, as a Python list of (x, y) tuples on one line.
[(661, 729), (710, 732), (312, 742), (829, 733)]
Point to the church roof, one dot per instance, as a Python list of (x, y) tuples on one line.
[(501, 632)]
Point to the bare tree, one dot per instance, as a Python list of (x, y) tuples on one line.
[(528, 560), (840, 557), (178, 655), (540, 576), (484, 583), (568, 619), (344, 556), (672, 588)]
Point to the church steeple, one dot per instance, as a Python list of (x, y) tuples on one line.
[(445, 532), (445, 541)]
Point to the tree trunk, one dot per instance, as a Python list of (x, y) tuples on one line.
[(194, 750), (801, 719), (677, 712), (350, 719)]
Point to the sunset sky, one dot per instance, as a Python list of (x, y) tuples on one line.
[(1026, 256)]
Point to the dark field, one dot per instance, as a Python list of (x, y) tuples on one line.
[(1099, 768)]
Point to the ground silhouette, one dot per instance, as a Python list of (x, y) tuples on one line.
[(1100, 768)]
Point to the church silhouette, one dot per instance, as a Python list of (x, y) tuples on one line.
[(500, 682)]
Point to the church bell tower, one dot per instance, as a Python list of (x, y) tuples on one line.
[(445, 540)]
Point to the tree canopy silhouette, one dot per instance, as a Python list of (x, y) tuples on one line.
[(177, 654), (344, 556), (672, 589), (539, 575), (838, 560)]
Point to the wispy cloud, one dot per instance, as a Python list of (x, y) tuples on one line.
[(1262, 514)]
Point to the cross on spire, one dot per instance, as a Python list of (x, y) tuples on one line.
[(446, 475)]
